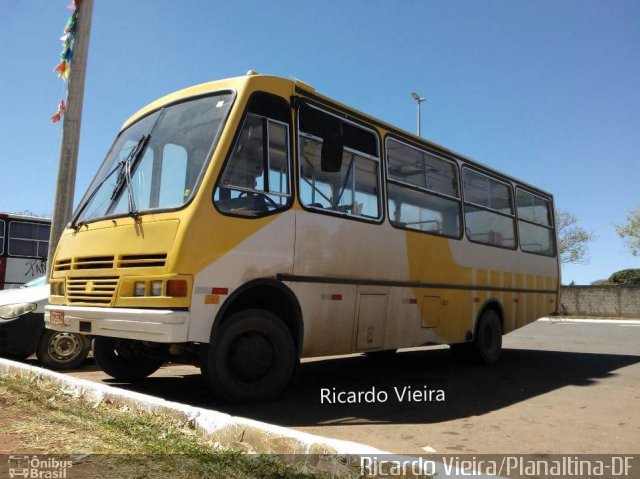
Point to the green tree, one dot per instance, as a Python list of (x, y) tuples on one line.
[(627, 277), (630, 231), (573, 239)]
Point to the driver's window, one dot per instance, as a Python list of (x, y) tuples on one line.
[(256, 178)]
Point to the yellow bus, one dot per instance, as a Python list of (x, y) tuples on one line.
[(243, 224)]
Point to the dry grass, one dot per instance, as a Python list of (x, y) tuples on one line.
[(39, 418)]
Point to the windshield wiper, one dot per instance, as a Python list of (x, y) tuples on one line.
[(132, 202), (131, 166), (124, 168), (124, 177)]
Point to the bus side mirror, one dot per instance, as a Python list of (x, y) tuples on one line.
[(331, 154)]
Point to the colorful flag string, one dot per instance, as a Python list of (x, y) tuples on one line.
[(62, 108), (63, 68)]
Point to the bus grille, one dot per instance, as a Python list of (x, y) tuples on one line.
[(108, 262), (93, 262), (88, 262), (96, 291), (62, 265), (142, 260)]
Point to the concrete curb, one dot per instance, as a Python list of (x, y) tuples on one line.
[(577, 319), (229, 431)]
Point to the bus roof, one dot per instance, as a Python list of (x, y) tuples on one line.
[(239, 83), (24, 217)]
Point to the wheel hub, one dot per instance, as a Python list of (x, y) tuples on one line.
[(64, 347), (250, 357)]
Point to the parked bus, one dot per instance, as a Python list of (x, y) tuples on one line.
[(24, 243), (243, 224)]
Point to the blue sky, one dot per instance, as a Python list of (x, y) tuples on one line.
[(545, 91)]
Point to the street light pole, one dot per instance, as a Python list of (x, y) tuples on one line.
[(419, 101)]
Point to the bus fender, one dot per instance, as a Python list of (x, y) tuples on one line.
[(268, 294)]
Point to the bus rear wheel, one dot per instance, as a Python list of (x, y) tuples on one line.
[(120, 360), (251, 358), (488, 340), (487, 344)]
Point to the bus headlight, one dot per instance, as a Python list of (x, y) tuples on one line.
[(156, 288), (139, 288), (57, 288), (12, 311)]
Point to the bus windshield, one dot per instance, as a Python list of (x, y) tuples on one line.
[(155, 163)]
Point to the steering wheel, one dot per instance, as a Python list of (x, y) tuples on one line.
[(270, 201)]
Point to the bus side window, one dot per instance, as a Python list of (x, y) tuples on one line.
[(422, 190), (28, 239), (256, 178), (488, 210), (354, 189), (535, 224)]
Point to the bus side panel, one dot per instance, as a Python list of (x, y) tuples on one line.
[(524, 284), (403, 321), (337, 248), (333, 247), (328, 311), (424, 316), (22, 270), (241, 255), (509, 303)]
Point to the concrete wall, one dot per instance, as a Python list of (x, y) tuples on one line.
[(600, 301)]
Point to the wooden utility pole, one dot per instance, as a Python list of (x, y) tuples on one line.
[(67, 165)]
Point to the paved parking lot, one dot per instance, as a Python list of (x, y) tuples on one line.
[(563, 387)]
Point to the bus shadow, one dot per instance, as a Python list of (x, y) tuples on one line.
[(469, 390)]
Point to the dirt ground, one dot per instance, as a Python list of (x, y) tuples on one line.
[(564, 387)]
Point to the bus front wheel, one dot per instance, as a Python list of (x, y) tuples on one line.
[(251, 357), (120, 359)]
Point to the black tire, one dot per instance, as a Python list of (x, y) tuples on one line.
[(488, 338), (251, 358), (486, 346), (62, 351), (120, 360)]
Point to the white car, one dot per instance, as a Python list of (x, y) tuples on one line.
[(22, 330)]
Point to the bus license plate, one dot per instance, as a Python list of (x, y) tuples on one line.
[(56, 318)]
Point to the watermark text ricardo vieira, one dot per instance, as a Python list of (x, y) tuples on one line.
[(566, 466)]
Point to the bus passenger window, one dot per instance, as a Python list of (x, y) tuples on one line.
[(535, 224), (422, 190), (488, 210), (255, 180), (352, 191), (28, 239)]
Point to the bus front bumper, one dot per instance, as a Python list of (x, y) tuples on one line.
[(158, 325)]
